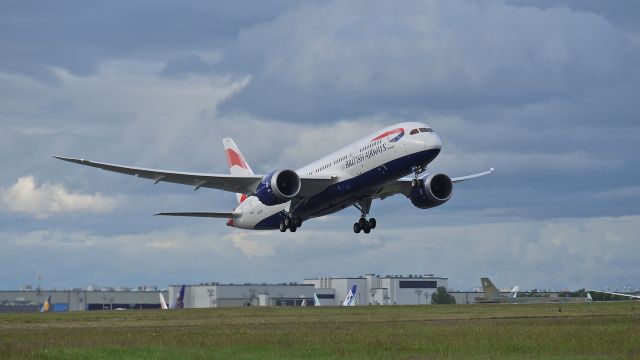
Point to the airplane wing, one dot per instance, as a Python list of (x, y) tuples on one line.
[(221, 215), (403, 185), (618, 294), (245, 184)]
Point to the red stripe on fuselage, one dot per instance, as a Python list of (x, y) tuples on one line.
[(387, 133), (233, 158)]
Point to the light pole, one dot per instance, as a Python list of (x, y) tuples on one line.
[(373, 294)]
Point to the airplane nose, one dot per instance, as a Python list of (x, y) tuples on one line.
[(433, 141)]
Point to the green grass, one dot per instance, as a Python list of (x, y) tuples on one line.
[(579, 331)]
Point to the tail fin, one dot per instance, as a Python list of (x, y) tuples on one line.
[(589, 298), (237, 164), (163, 304), (351, 296), (46, 307), (514, 291), (490, 290), (316, 301), (180, 299)]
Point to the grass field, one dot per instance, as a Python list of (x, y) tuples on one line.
[(552, 331)]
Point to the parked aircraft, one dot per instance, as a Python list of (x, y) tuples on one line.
[(178, 304), (47, 306), (163, 304), (349, 300), (493, 296), (316, 301), (629, 296), (374, 167)]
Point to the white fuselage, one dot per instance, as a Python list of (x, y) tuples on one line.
[(383, 156)]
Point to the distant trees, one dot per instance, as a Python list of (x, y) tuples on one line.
[(441, 296)]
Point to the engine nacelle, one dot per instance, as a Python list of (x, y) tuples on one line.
[(278, 187), (435, 190)]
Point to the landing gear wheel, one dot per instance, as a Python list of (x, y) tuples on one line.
[(366, 229), (297, 222), (362, 222), (372, 223), (293, 229), (415, 183), (282, 227), (287, 221), (356, 228)]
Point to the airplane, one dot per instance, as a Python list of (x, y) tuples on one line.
[(377, 166), (349, 300), (47, 306), (493, 296), (179, 304), (316, 301), (163, 304), (630, 296)]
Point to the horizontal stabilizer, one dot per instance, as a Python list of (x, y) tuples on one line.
[(222, 215)]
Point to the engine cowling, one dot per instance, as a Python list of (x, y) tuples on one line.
[(278, 187), (435, 190)]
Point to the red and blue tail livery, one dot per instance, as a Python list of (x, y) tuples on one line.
[(390, 161)]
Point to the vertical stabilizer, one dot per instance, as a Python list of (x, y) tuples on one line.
[(316, 301), (490, 290), (237, 164), (163, 304), (180, 298), (351, 296), (46, 307), (514, 291)]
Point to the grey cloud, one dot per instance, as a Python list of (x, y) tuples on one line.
[(185, 65), (78, 35), (420, 56)]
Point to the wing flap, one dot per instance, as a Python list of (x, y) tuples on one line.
[(221, 214)]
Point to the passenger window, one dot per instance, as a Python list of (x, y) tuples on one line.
[(414, 131), (425, 130)]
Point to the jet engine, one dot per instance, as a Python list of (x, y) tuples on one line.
[(278, 187), (435, 190)]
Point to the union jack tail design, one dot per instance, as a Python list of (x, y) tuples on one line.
[(237, 164)]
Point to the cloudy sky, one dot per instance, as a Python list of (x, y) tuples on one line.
[(544, 91)]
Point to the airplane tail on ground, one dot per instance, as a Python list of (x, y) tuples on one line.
[(46, 307), (351, 296), (514, 291), (490, 290), (316, 301), (589, 298), (238, 166), (163, 304), (179, 300)]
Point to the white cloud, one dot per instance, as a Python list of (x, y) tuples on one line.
[(26, 197)]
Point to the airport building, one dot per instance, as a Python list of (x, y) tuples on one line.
[(371, 290), (81, 299)]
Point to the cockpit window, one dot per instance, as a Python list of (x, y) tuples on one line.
[(414, 131), (426, 130)]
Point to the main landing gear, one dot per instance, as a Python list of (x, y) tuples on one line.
[(291, 223), (417, 170), (363, 224)]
